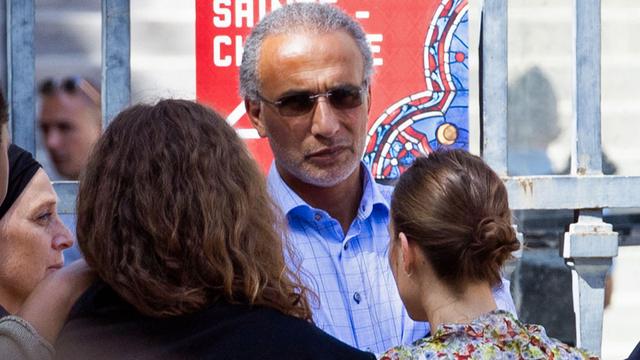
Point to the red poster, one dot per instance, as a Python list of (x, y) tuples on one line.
[(419, 89)]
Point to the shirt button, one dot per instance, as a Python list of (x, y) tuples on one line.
[(346, 246), (357, 298), (318, 217)]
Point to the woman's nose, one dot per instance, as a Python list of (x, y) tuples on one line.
[(63, 238)]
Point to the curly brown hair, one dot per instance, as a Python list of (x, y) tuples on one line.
[(174, 215)]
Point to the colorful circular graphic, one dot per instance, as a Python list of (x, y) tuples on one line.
[(436, 117)]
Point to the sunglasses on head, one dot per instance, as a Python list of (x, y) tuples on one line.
[(301, 103), (70, 85)]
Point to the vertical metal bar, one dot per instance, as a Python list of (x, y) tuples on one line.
[(588, 248), (4, 69), (586, 157), (494, 85), (590, 244), (21, 74), (67, 192), (116, 58)]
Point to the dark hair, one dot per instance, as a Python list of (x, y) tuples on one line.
[(71, 85), (174, 214), (456, 208)]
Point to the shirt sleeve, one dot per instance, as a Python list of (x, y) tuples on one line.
[(19, 340), (503, 298)]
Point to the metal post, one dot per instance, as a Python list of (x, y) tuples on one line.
[(21, 73), (116, 58), (510, 266), (67, 192), (590, 244), (494, 85), (588, 248), (586, 157)]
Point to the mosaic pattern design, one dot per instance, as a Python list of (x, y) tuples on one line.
[(436, 117)]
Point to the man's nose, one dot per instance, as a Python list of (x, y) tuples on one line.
[(53, 139), (325, 120)]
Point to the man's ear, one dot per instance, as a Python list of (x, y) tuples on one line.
[(254, 110), (408, 254)]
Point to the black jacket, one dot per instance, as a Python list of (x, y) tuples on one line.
[(103, 326)]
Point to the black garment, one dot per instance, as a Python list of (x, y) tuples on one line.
[(635, 354), (3, 312), (104, 326), (22, 167)]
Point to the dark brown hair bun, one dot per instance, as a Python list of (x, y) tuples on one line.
[(492, 243)]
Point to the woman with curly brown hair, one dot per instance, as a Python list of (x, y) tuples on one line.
[(451, 233), (174, 216)]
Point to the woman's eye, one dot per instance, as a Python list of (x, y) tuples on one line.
[(44, 217)]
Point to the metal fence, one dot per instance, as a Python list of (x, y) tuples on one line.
[(21, 88), (589, 245)]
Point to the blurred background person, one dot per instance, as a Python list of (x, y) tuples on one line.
[(70, 122), (451, 233)]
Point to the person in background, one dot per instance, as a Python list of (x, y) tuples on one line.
[(451, 234), (306, 79), (29, 333), (185, 240), (70, 121)]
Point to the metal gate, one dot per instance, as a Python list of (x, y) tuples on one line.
[(589, 245)]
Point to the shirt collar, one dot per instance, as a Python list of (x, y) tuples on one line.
[(281, 193), (372, 196), (289, 201)]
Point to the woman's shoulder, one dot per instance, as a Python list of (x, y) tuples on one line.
[(230, 330), (539, 338), (298, 338), (492, 336)]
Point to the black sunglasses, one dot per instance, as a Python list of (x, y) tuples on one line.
[(301, 103), (70, 85)]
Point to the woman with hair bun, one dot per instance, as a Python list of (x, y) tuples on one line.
[(450, 236)]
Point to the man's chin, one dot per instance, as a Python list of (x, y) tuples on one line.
[(60, 168), (65, 172), (327, 176)]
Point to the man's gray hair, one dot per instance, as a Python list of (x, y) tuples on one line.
[(319, 18)]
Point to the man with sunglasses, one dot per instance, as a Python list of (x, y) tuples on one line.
[(305, 77), (70, 121)]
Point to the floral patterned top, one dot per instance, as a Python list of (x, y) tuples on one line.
[(495, 335)]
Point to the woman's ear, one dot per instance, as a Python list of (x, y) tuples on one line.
[(408, 254)]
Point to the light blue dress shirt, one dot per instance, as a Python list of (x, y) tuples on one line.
[(358, 299)]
